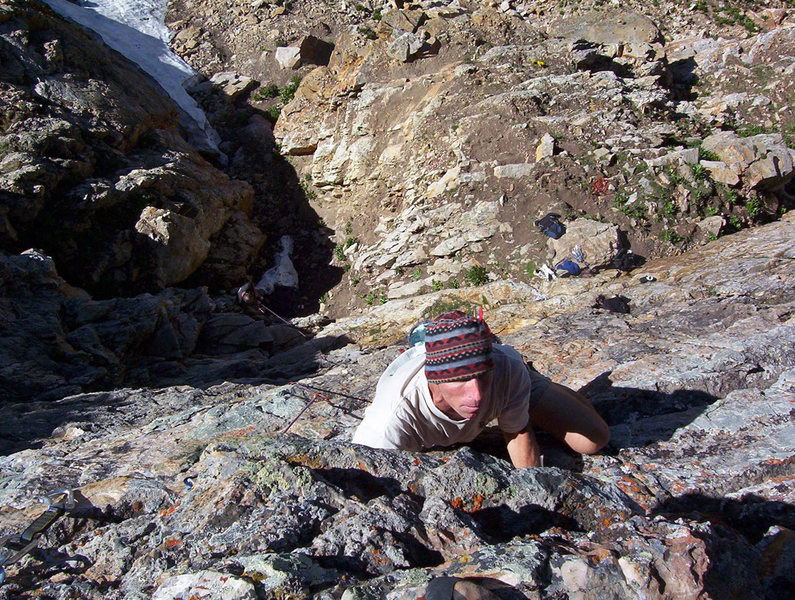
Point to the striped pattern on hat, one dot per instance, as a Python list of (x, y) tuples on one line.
[(457, 348)]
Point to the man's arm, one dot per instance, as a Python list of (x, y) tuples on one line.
[(523, 448)]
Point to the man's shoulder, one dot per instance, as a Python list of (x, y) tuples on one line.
[(507, 355)]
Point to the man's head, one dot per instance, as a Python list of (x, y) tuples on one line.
[(458, 362), (457, 348)]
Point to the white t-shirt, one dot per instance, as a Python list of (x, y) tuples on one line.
[(403, 415)]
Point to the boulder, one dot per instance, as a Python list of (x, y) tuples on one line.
[(622, 28), (288, 57), (599, 243), (762, 162), (405, 47)]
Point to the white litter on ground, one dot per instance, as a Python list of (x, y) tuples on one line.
[(283, 273), (137, 30)]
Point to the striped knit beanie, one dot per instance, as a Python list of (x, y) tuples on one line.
[(457, 347)]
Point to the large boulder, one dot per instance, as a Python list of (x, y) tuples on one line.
[(761, 162)]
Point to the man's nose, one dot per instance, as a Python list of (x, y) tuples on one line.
[(473, 389)]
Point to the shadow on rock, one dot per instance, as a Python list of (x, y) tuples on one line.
[(752, 516), (750, 540), (360, 484), (500, 524), (639, 417)]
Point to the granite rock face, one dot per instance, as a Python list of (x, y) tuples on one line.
[(208, 444), (187, 490)]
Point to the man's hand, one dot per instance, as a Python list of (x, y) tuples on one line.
[(523, 448)]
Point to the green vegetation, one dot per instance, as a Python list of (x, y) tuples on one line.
[(287, 93), (750, 130), (673, 176), (754, 207), (443, 305), (633, 211), (339, 252), (530, 269), (272, 113), (476, 275), (699, 171), (266, 92), (416, 274), (668, 235), (734, 15), (368, 33), (704, 154)]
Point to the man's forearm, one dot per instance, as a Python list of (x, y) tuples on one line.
[(523, 448)]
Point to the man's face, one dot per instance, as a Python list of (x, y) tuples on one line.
[(461, 399)]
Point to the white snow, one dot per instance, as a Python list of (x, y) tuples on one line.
[(137, 30)]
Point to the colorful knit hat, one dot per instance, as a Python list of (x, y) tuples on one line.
[(457, 347)]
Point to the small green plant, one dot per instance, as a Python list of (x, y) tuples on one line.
[(287, 93), (670, 236), (377, 14), (362, 8), (383, 298), (398, 271), (324, 298), (669, 208), (436, 285), (266, 92), (732, 196), (356, 279), (339, 252), (530, 269), (453, 284), (476, 275), (350, 241), (416, 274), (699, 171), (369, 299), (734, 223), (711, 211), (711, 237), (446, 304), (272, 113), (750, 130), (754, 207), (368, 33), (673, 176)]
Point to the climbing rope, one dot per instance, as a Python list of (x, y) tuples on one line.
[(311, 394), (14, 547), (247, 295)]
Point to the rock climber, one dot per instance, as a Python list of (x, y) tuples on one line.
[(446, 391)]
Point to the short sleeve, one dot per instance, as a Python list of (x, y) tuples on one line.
[(516, 386)]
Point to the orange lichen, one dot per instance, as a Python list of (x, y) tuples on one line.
[(167, 511)]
